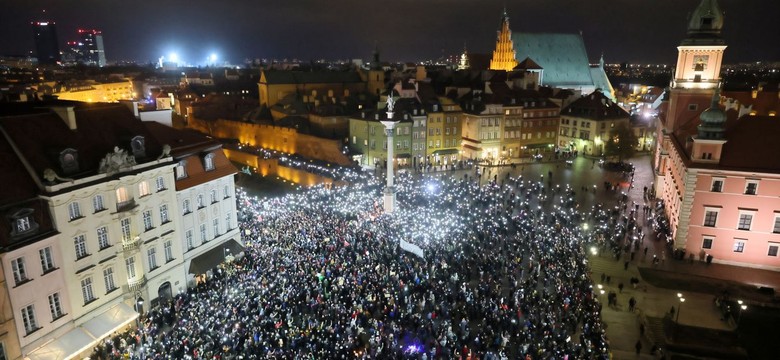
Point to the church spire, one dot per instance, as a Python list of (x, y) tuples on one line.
[(706, 22), (504, 55)]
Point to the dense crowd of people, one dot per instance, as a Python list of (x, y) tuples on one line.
[(502, 274)]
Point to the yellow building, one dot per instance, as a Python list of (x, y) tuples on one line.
[(94, 91), (504, 55)]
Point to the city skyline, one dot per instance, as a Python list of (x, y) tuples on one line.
[(404, 30)]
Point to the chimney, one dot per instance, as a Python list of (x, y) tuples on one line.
[(67, 114)]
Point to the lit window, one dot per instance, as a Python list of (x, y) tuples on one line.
[(215, 223), (213, 196), (190, 242), (203, 238), (185, 206), (143, 188), (201, 204), (739, 246), (227, 191)]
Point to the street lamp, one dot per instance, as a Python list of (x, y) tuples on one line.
[(742, 307), (679, 307)]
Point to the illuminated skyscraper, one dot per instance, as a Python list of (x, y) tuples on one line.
[(46, 45), (93, 52)]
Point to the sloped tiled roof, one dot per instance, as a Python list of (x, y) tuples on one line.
[(528, 64), (764, 102), (562, 56), (595, 106)]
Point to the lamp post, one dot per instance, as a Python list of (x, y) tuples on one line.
[(679, 307), (742, 307), (389, 196)]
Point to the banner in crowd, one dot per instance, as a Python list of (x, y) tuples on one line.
[(412, 248)]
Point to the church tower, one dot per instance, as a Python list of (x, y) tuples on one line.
[(376, 74), (464, 60), (504, 55), (699, 58), (708, 143)]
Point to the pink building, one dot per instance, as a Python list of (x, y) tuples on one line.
[(717, 173)]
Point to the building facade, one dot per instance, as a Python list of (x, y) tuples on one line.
[(586, 123)]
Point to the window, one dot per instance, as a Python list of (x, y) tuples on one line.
[(20, 271), (80, 242), (97, 203), (215, 223), (739, 245), (226, 191), (143, 189), (151, 255), (124, 224), (751, 187), (710, 218), (181, 170), (707, 242), (717, 185), (130, 264), (227, 221), (213, 196), (2, 351), (47, 259), (693, 107), (147, 215), (776, 228), (200, 201), (188, 237), (745, 220), (86, 290), (208, 162), (28, 319), (160, 183), (168, 248), (164, 214), (203, 238), (23, 224), (74, 211), (108, 278), (55, 306), (772, 250), (185, 207)]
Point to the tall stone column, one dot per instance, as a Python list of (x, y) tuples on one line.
[(389, 197)]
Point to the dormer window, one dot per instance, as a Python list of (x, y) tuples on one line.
[(181, 169), (138, 145), (22, 222), (69, 161), (208, 162)]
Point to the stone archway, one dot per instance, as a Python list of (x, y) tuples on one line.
[(164, 292)]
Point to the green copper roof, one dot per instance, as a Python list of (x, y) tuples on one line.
[(562, 56)]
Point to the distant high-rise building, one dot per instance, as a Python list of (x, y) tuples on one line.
[(94, 53), (46, 45), (88, 50)]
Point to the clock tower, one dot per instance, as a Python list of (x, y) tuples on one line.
[(699, 58)]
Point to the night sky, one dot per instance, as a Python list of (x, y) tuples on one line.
[(406, 30)]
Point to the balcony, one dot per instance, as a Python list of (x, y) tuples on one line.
[(136, 285), (131, 244), (126, 205)]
